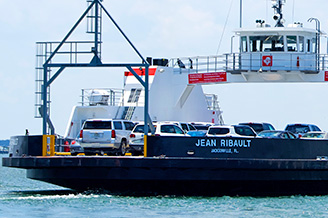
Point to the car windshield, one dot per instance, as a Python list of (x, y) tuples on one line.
[(218, 131), (201, 127), (298, 128), (140, 129), (256, 127), (269, 134), (171, 129), (314, 135), (97, 125), (244, 130)]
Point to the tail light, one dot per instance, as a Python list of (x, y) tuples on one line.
[(132, 135), (67, 149), (73, 142), (113, 134), (81, 133)]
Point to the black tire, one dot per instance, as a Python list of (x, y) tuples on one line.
[(123, 147)]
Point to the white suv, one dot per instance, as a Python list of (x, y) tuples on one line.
[(136, 139), (234, 130), (100, 136)]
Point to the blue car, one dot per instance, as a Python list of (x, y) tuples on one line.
[(276, 134)]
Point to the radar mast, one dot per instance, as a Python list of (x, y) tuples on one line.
[(277, 6)]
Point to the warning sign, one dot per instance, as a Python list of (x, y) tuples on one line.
[(267, 61), (207, 77)]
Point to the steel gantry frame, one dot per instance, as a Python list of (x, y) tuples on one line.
[(95, 62)]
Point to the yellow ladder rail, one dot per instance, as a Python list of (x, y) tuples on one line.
[(48, 145)]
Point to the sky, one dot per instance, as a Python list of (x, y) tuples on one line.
[(167, 28)]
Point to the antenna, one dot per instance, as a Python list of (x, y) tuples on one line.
[(277, 6)]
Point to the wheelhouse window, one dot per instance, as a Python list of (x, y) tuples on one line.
[(308, 43), (244, 44), (271, 43), (301, 43), (314, 45), (292, 43)]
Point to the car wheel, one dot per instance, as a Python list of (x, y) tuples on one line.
[(123, 147)]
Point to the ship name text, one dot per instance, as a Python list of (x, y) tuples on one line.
[(224, 143)]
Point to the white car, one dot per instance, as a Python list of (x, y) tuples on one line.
[(231, 131), (315, 135), (136, 139)]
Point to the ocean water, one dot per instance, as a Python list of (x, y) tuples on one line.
[(22, 197)]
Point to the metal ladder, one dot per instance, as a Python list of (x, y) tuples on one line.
[(43, 51), (133, 98)]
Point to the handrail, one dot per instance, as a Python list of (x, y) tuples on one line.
[(250, 61), (114, 98)]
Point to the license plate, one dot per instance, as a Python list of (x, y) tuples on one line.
[(97, 135)]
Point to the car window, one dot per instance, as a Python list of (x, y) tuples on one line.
[(178, 130), (268, 134), (191, 127), (140, 129), (257, 127), (201, 127), (284, 136), (243, 130), (292, 136), (118, 124), (128, 125), (267, 126), (315, 128), (218, 131), (184, 126), (314, 135), (298, 128), (97, 125), (168, 128)]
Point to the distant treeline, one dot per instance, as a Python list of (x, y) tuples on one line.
[(4, 143)]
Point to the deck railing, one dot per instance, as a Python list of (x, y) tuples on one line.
[(237, 62), (102, 96)]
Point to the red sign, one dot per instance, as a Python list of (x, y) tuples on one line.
[(141, 72), (207, 77), (267, 61), (326, 76)]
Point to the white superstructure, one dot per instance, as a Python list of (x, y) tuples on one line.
[(171, 97), (266, 54)]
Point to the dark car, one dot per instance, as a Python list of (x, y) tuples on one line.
[(301, 129), (259, 127), (277, 134)]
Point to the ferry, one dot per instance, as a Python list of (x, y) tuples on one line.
[(205, 166)]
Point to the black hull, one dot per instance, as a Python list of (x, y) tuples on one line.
[(193, 166), (180, 176), (195, 188)]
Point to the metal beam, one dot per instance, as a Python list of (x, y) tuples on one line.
[(55, 76), (69, 33), (48, 64), (121, 31), (137, 76), (97, 65)]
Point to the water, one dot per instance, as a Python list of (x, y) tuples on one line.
[(22, 197)]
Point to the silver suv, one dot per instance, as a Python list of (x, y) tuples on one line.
[(100, 136)]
